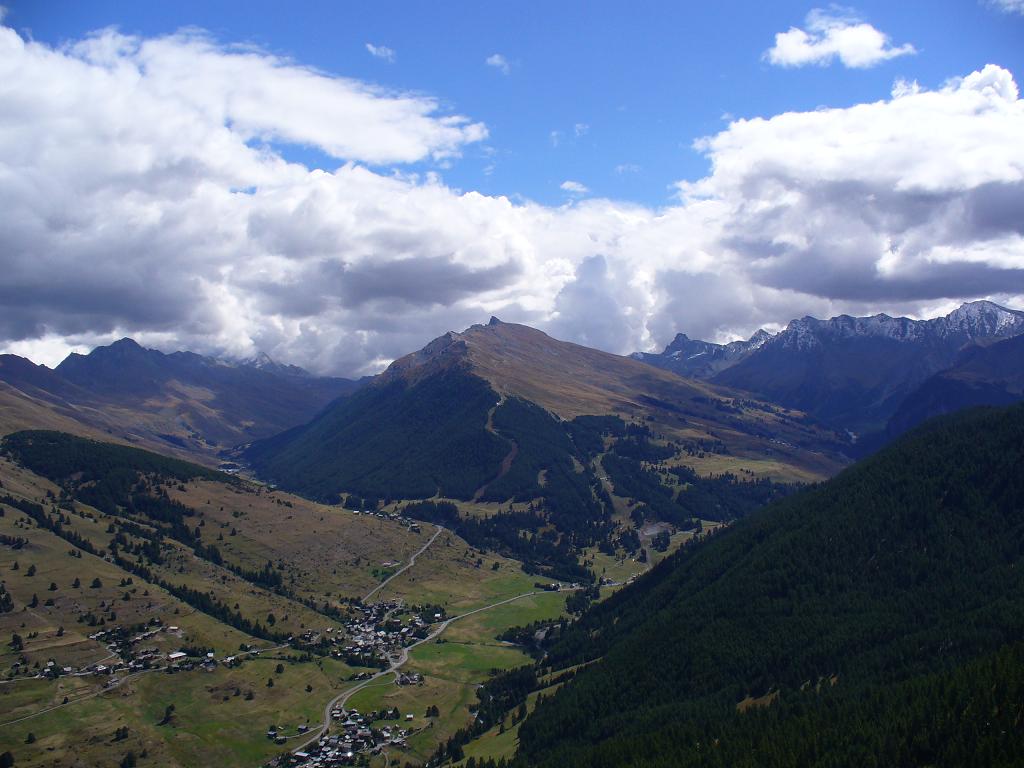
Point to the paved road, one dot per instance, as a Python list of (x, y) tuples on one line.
[(407, 566), (342, 698)]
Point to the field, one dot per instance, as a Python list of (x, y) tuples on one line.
[(754, 466), (214, 722), (449, 574)]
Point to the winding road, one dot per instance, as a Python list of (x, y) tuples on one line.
[(407, 566), (342, 698)]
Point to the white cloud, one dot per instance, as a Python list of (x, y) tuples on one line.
[(555, 138), (200, 86), (830, 35), (623, 168), (574, 187), (381, 52), (884, 202), (143, 193), (1008, 6), (499, 62), (581, 129)]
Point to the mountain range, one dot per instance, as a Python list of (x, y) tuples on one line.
[(792, 626), (869, 377), (702, 359), (852, 373), (181, 402)]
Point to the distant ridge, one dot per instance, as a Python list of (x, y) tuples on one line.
[(850, 372), (180, 402), (982, 375), (702, 359)]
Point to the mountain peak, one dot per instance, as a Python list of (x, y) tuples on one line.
[(982, 304), (980, 319), (494, 321), (261, 361), (972, 309), (122, 349), (445, 351), (124, 343)]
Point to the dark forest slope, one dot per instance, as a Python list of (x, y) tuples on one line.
[(881, 613)]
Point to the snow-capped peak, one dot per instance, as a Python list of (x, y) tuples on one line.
[(984, 318), (261, 360)]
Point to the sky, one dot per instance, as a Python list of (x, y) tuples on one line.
[(335, 184)]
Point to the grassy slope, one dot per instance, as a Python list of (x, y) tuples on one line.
[(19, 411), (211, 725), (327, 550), (49, 554), (570, 380)]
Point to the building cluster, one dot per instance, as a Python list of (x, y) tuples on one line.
[(354, 739), (376, 634), (129, 653)]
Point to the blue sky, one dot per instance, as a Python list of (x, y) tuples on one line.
[(608, 94), (335, 184)]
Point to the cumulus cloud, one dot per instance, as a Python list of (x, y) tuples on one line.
[(830, 35), (381, 52), (499, 62), (590, 309), (573, 187), (143, 192), (861, 193)]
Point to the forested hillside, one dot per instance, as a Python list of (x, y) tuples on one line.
[(873, 620), (399, 440)]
